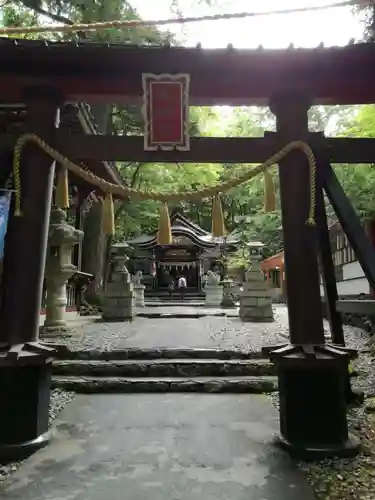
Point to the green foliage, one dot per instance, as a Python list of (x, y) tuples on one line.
[(244, 201), (358, 181), (238, 259)]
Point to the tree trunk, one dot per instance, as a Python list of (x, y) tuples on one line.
[(93, 251), (95, 242)]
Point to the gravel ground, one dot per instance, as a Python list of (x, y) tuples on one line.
[(352, 479), (344, 479), (206, 332), (59, 399)]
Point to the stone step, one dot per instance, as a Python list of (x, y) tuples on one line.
[(187, 314), (174, 303), (65, 352), (164, 294), (165, 368), (92, 385)]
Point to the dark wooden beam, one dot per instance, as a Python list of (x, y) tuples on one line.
[(351, 224), (229, 76), (207, 149), (326, 261)]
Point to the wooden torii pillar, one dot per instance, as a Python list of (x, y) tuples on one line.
[(312, 376), (25, 364)]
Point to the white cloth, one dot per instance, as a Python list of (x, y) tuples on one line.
[(182, 282)]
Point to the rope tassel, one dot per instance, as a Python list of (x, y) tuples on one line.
[(125, 192), (269, 193), (108, 220), (218, 226), (62, 189), (165, 231)]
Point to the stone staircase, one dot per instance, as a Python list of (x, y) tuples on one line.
[(153, 297), (163, 370)]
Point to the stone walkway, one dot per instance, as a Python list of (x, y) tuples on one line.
[(205, 332), (162, 447)]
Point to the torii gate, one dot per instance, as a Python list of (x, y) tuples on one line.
[(312, 375)]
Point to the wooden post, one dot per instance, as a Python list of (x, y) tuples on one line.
[(300, 247), (282, 282), (77, 252), (26, 365), (371, 235), (25, 253), (312, 376)]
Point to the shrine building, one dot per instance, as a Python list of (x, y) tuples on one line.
[(193, 252)]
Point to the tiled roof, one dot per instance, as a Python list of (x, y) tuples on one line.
[(75, 117), (88, 44)]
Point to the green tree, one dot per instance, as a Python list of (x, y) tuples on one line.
[(246, 200), (109, 118), (358, 181)]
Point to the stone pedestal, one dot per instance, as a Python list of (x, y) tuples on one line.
[(139, 295), (227, 301), (214, 295), (255, 300), (59, 268), (213, 290), (117, 302)]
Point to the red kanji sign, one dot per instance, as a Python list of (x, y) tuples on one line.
[(166, 111)]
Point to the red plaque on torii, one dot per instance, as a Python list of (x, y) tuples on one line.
[(166, 111)]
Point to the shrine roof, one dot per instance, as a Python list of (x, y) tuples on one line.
[(179, 220), (183, 227), (273, 261), (97, 71)]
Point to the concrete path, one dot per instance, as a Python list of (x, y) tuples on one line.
[(161, 447), (186, 310), (160, 333)]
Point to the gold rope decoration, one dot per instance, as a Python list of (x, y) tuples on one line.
[(62, 189), (269, 192), (72, 28), (164, 236), (127, 192), (218, 225)]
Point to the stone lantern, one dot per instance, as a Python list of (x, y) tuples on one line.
[(62, 238), (255, 249), (227, 302), (138, 290), (117, 302), (256, 300)]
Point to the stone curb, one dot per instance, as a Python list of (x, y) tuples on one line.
[(64, 352), (82, 385), (164, 368)]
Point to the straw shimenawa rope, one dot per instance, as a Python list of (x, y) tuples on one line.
[(72, 28), (127, 192)]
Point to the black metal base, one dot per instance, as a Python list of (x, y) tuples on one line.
[(347, 449), (20, 451), (313, 389), (25, 387)]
